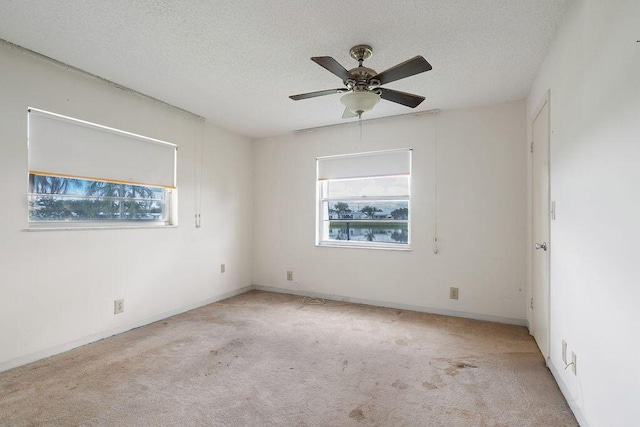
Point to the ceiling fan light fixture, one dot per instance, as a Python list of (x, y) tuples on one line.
[(360, 102)]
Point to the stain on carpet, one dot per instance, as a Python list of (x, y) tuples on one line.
[(216, 319), (399, 385), (39, 366), (429, 386), (456, 366), (401, 341), (463, 365), (462, 413), (357, 414)]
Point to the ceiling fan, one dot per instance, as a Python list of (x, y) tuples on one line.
[(363, 84)]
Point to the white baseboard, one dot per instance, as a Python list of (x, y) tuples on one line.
[(32, 357), (418, 308), (577, 412)]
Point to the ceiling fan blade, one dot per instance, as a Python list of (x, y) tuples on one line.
[(408, 99), (333, 66), (348, 114), (407, 68), (318, 93)]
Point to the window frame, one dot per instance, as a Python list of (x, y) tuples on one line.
[(166, 219), (323, 202)]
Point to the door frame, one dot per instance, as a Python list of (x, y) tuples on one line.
[(545, 101)]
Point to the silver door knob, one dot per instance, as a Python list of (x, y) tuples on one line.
[(542, 245)]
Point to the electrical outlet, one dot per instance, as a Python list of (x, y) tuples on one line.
[(453, 293), (564, 352), (290, 276), (118, 306), (222, 268), (574, 362)]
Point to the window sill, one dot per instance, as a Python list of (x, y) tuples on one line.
[(404, 248), (95, 227)]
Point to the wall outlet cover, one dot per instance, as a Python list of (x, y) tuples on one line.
[(453, 293), (118, 306)]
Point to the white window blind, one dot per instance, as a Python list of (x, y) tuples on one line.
[(374, 164), (67, 147)]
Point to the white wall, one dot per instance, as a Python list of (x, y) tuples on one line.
[(593, 73), (58, 287), (481, 214)]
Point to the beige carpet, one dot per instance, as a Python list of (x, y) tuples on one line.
[(264, 359)]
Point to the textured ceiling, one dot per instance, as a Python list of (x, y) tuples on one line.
[(236, 62)]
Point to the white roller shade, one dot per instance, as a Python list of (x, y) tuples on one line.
[(63, 146), (379, 163)]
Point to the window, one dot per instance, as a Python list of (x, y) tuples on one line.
[(53, 199), (364, 200), (83, 174)]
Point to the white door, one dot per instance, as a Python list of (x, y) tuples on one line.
[(540, 216)]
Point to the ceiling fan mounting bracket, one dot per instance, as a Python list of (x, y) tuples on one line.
[(361, 52)]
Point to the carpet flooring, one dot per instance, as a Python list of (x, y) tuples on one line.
[(265, 359)]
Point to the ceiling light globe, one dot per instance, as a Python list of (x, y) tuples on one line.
[(360, 102)]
